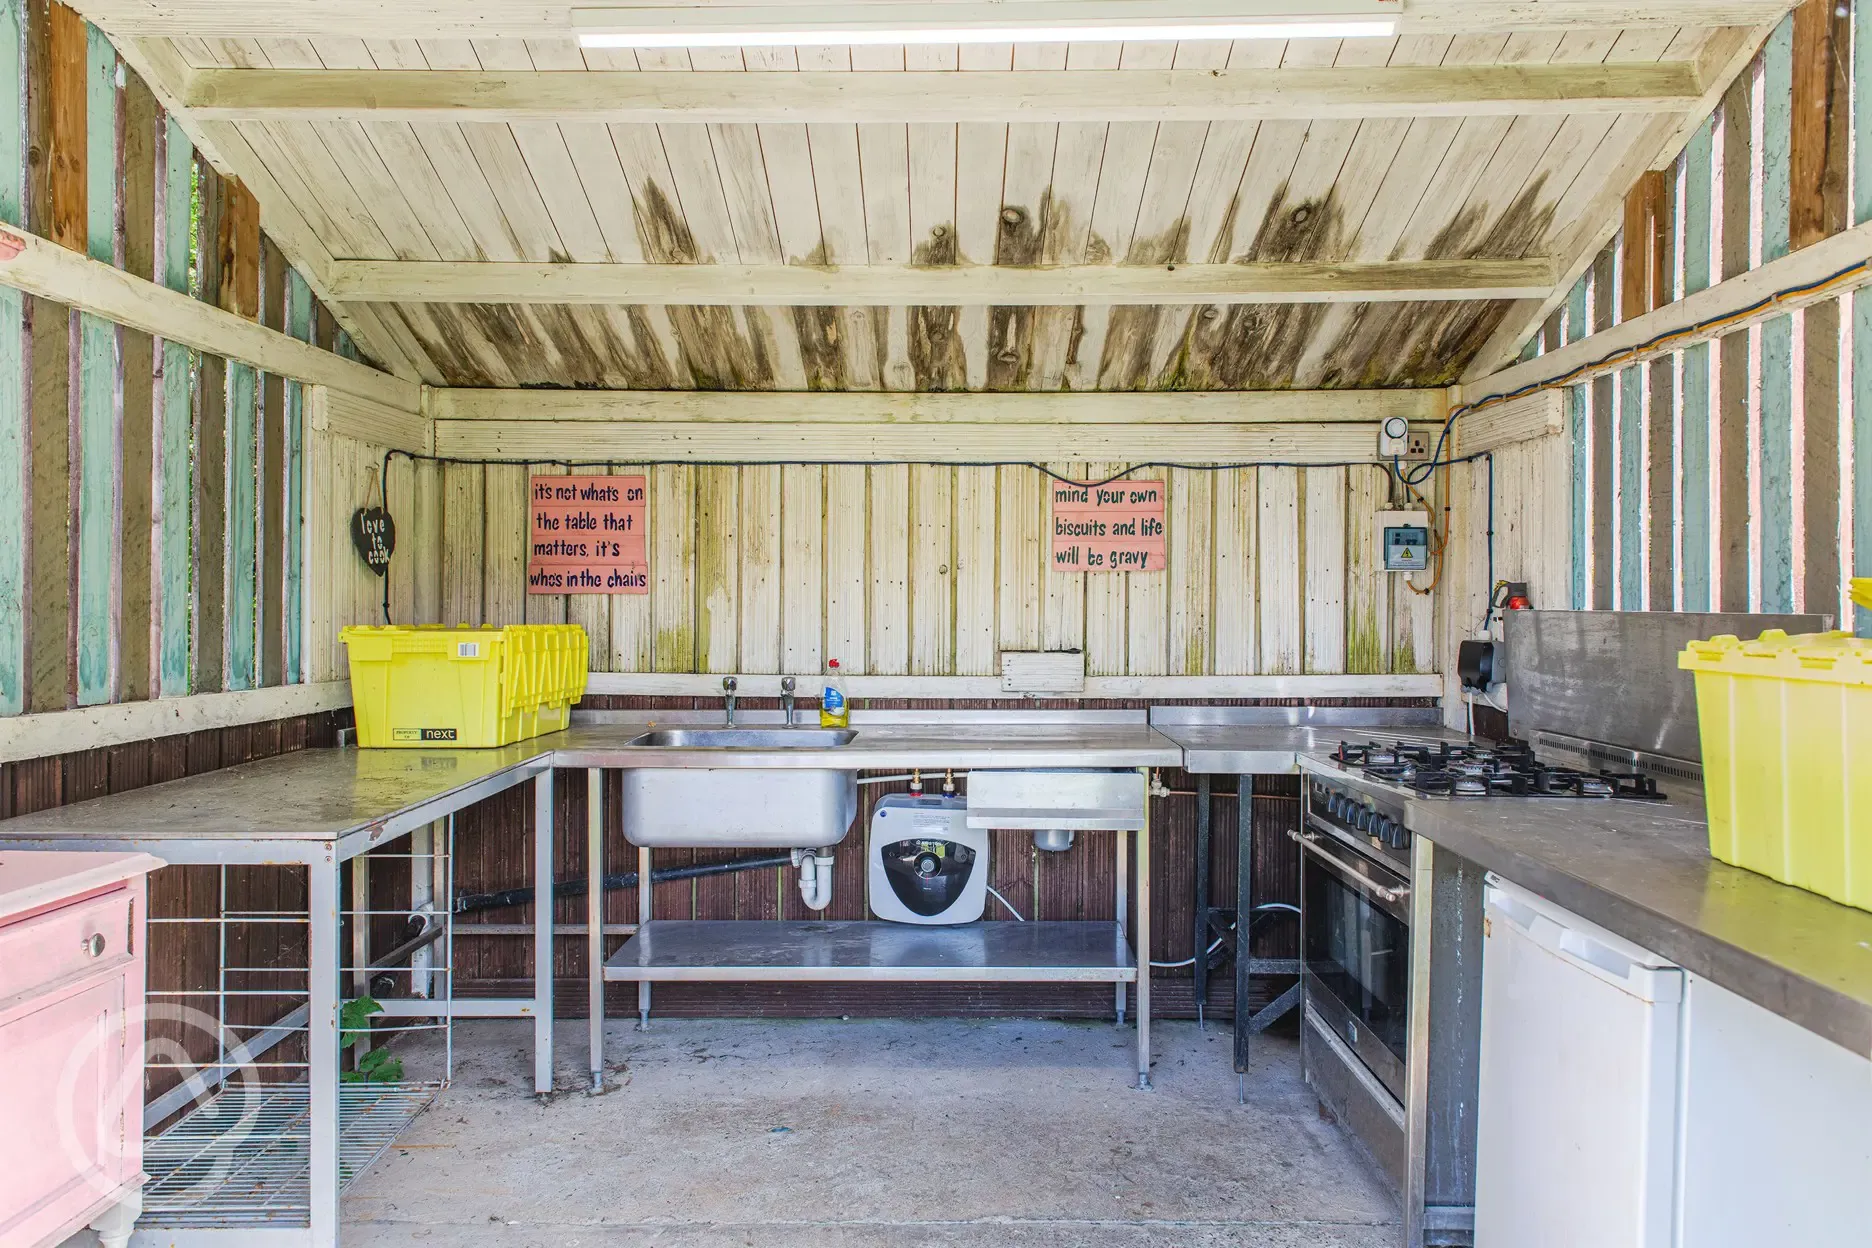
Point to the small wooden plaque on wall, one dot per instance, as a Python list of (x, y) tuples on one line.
[(590, 535), (1115, 527)]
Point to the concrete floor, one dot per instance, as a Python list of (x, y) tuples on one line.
[(866, 1134)]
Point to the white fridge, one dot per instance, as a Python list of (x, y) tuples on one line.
[(1627, 1104), (1577, 1113)]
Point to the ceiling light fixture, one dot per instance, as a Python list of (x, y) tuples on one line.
[(1038, 21)]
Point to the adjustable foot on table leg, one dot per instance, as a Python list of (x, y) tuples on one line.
[(1144, 1083), (1241, 1089)]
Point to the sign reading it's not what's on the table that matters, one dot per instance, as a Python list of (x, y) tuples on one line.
[(1114, 527), (589, 536)]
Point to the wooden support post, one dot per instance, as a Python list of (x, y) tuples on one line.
[(1662, 469), (1604, 397), (1579, 430), (271, 477), (1694, 572), (210, 479), (141, 121), (1819, 157), (97, 451)]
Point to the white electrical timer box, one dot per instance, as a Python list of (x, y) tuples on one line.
[(1404, 540)]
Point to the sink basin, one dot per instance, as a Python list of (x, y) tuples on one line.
[(745, 738), (740, 807)]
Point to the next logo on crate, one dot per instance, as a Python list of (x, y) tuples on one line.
[(423, 734)]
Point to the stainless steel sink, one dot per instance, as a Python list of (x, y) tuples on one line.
[(745, 738), (703, 806)]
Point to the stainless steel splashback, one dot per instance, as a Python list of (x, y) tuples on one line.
[(1612, 677)]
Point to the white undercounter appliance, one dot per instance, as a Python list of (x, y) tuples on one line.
[(1627, 1104)]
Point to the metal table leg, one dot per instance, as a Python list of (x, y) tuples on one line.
[(643, 921), (543, 933), (1144, 941), (1244, 917), (322, 1046), (361, 917), (1199, 948), (1122, 902), (594, 921)]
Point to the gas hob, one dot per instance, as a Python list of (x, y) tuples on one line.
[(1482, 771)]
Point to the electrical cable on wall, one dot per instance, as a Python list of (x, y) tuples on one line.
[(1409, 478)]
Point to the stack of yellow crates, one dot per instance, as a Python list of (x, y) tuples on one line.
[(1786, 724), (428, 686)]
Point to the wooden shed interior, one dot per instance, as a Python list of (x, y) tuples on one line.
[(852, 309)]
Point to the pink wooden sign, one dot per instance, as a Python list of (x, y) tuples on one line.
[(590, 536), (1116, 527)]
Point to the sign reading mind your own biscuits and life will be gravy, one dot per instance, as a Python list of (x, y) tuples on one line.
[(590, 536), (1115, 527)]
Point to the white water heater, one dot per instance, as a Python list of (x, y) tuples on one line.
[(927, 865)]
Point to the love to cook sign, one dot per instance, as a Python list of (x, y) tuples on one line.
[(1115, 527), (590, 536)]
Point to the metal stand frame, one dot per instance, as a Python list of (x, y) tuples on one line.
[(601, 971)]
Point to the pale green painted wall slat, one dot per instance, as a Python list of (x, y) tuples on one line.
[(15, 457), (100, 421), (175, 419), (1579, 428), (1777, 354), (1695, 561), (243, 522), (1631, 491), (299, 325)]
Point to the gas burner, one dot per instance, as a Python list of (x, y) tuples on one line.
[(1499, 769)]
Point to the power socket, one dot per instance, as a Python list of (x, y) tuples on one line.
[(1399, 439)]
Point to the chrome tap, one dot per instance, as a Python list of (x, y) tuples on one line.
[(729, 684), (787, 686)]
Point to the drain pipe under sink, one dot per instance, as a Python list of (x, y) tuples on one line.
[(815, 877)]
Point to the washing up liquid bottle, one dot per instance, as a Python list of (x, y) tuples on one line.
[(834, 710)]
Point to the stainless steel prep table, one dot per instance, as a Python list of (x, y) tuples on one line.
[(318, 808), (1265, 741), (1644, 871), (886, 741), (321, 808)]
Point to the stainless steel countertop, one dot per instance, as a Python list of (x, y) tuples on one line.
[(1274, 750), (969, 742), (326, 795), (1643, 870)]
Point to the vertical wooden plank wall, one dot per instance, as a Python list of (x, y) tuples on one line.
[(933, 570), (15, 420), (151, 507), (1737, 479)]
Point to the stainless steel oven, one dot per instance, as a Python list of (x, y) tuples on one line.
[(1356, 925)]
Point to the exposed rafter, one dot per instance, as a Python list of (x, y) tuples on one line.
[(1041, 96), (784, 285), (549, 19)]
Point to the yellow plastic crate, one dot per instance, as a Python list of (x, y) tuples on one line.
[(428, 686), (1786, 724), (1862, 592)]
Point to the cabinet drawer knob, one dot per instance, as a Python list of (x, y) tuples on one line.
[(94, 945)]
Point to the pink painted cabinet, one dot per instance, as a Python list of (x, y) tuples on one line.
[(71, 1079)]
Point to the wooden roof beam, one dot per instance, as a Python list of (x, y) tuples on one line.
[(892, 285), (550, 19), (223, 95)]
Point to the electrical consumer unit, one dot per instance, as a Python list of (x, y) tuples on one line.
[(1404, 540), (926, 865)]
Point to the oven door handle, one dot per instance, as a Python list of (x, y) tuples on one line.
[(1310, 842)]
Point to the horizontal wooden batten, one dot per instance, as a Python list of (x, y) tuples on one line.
[(552, 19), (1721, 309), (683, 685), (1270, 407), (588, 441), (65, 732), (349, 416), (49, 271), (792, 285), (1027, 96), (1520, 420)]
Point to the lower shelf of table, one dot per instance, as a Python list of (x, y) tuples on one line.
[(243, 1158), (738, 951)]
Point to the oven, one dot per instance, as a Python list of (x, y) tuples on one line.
[(1356, 926)]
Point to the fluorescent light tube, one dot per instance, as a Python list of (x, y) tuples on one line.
[(659, 27)]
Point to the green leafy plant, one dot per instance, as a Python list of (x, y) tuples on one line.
[(377, 1065)]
